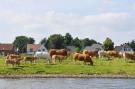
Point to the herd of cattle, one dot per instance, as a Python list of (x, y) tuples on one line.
[(61, 54)]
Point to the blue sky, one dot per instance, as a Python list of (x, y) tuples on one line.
[(96, 19)]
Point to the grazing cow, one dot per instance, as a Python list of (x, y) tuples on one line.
[(113, 54), (43, 55), (59, 57), (102, 54), (13, 59), (62, 52), (13, 56), (130, 56), (91, 53), (83, 57), (30, 59), (109, 54)]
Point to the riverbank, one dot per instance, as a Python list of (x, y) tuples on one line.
[(69, 76)]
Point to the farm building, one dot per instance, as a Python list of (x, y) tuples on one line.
[(94, 47), (124, 48), (6, 49), (32, 48)]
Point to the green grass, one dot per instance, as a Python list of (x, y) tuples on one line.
[(68, 66)]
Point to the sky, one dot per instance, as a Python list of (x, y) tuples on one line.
[(93, 19)]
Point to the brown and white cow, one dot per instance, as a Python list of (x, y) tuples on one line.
[(83, 57)]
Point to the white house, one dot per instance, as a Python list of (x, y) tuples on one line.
[(32, 48), (124, 48)]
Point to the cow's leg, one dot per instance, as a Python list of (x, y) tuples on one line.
[(91, 62)]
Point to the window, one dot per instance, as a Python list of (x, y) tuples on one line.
[(31, 50), (39, 50), (43, 49)]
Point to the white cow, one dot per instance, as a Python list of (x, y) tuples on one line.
[(43, 54)]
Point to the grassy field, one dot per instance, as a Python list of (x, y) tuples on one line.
[(101, 66)]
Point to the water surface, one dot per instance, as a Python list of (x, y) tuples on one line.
[(67, 83)]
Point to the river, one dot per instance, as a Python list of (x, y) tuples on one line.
[(67, 83)]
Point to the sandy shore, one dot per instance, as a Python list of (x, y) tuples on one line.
[(68, 76)]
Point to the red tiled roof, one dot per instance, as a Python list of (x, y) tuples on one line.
[(33, 46), (6, 46)]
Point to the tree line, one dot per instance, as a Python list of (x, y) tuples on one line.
[(59, 41)]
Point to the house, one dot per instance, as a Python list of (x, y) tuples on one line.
[(32, 48), (94, 47), (71, 49), (124, 48), (6, 49)]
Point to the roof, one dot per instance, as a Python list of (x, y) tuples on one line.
[(6, 46), (118, 48), (35, 47), (94, 47)]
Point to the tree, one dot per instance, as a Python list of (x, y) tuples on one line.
[(108, 44), (20, 43), (68, 39), (43, 41), (31, 40), (77, 42), (132, 44), (56, 41), (88, 42)]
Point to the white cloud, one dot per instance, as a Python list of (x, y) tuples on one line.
[(98, 27)]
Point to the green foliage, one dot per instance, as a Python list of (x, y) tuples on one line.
[(108, 44), (77, 49), (132, 44), (21, 42), (88, 42), (56, 41), (44, 42), (31, 40), (68, 39), (77, 42)]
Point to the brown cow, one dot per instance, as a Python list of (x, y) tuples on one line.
[(130, 56), (113, 54), (83, 57), (91, 53), (62, 52), (13, 59), (30, 59), (59, 57)]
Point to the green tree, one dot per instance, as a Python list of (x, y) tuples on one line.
[(77, 49), (132, 44), (20, 43), (77, 42), (31, 40), (88, 42), (43, 41), (56, 41), (68, 39), (108, 44)]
